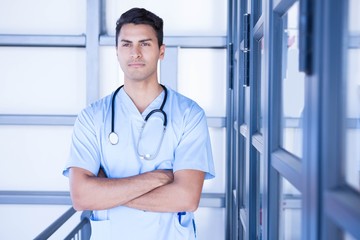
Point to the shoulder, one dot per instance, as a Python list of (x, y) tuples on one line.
[(184, 111), (100, 104), (185, 104), (96, 111)]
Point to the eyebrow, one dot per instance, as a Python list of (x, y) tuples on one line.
[(143, 40)]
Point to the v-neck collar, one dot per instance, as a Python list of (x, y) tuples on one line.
[(130, 105)]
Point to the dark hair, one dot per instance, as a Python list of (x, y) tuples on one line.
[(141, 16)]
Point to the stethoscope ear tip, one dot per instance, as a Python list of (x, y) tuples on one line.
[(113, 138)]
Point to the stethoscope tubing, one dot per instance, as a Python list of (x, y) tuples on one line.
[(113, 137), (113, 108)]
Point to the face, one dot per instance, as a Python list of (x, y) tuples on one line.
[(138, 52)]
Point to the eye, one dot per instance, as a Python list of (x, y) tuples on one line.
[(145, 44), (125, 44)]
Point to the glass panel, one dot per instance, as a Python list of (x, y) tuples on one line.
[(260, 178), (210, 223), (39, 163), (217, 184), (258, 10), (43, 17), (353, 100), (198, 18), (42, 80), (353, 17), (201, 76), (260, 86), (37, 219), (290, 212), (247, 171), (348, 236), (241, 171), (292, 86), (111, 75), (247, 106)]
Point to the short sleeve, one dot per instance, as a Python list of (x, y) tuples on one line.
[(84, 148), (194, 149)]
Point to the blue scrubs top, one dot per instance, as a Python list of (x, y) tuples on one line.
[(186, 145)]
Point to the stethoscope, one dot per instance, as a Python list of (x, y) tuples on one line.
[(113, 136)]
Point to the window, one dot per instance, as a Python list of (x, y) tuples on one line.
[(353, 98), (292, 86), (290, 212)]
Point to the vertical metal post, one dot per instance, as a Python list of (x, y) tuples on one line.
[(229, 231), (246, 49), (92, 50), (329, 67), (305, 36), (86, 230)]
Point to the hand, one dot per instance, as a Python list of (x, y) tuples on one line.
[(166, 176)]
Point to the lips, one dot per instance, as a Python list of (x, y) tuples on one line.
[(136, 64)]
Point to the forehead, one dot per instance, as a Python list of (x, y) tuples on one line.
[(135, 32)]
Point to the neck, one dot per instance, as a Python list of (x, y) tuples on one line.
[(142, 94)]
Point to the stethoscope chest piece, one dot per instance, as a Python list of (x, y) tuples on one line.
[(113, 138)]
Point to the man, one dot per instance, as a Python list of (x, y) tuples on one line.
[(139, 156)]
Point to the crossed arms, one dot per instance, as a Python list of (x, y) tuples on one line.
[(156, 191)]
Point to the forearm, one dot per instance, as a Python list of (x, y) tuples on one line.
[(183, 194), (163, 199), (89, 192)]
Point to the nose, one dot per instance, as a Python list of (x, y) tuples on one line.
[(135, 52)]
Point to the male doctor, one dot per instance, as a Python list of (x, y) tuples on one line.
[(139, 156)]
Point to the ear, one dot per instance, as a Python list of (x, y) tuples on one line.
[(162, 52)]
